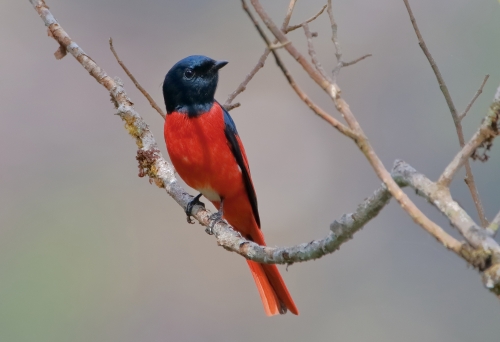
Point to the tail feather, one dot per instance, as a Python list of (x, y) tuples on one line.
[(273, 292)]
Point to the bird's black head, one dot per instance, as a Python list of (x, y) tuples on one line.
[(189, 87)]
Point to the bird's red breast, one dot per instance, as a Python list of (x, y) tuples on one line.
[(203, 158)]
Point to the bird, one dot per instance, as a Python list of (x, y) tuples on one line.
[(207, 153)]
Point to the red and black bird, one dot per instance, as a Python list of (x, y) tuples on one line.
[(207, 153)]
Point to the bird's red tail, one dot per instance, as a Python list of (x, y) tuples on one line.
[(272, 289)]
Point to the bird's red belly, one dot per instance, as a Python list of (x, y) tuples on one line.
[(201, 155)]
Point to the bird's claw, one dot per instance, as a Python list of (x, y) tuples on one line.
[(190, 206), (214, 218)]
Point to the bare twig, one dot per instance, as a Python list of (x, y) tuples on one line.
[(423, 46), (302, 95), (260, 63), (241, 88), (136, 83), (312, 51), (289, 12), (479, 91), (314, 17), (346, 64), (469, 180), (338, 51), (280, 36), (471, 184)]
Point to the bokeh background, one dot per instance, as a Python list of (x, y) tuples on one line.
[(91, 252)]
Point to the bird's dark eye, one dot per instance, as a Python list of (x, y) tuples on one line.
[(189, 73)]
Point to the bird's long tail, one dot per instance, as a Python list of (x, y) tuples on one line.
[(272, 289)]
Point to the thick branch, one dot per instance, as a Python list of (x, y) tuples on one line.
[(485, 255), (342, 230), (441, 198)]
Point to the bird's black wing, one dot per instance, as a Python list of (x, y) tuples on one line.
[(232, 139)]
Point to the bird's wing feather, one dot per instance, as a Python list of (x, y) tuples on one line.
[(239, 154)]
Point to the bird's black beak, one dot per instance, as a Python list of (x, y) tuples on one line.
[(219, 64)]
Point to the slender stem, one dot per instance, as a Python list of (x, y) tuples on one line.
[(478, 92), (136, 83), (312, 51), (314, 17)]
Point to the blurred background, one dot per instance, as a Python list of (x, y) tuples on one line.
[(91, 252)]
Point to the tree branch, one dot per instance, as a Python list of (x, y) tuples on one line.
[(469, 179), (302, 95), (260, 63), (485, 254), (441, 198), (342, 231), (362, 141)]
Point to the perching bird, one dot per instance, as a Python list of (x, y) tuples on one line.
[(207, 153)]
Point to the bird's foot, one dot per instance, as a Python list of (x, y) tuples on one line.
[(214, 218), (190, 206)]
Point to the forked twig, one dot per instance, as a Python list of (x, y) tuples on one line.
[(302, 95), (314, 17), (260, 63), (338, 51)]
